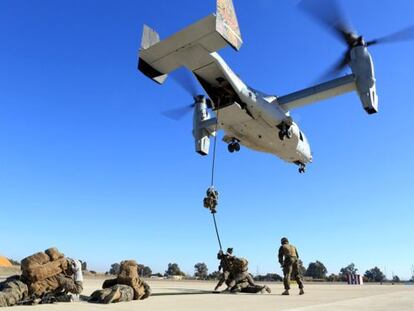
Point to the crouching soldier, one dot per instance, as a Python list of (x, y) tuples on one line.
[(226, 261), (241, 280), (126, 286), (46, 277)]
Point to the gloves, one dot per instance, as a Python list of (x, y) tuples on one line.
[(77, 270)]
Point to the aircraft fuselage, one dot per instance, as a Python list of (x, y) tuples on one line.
[(254, 120)]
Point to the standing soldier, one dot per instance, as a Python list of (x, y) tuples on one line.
[(289, 260)]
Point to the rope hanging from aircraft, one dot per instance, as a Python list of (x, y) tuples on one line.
[(211, 199)]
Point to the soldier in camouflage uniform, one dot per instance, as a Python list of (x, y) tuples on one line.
[(126, 286), (289, 260), (64, 287), (226, 261), (116, 293), (13, 291), (240, 280)]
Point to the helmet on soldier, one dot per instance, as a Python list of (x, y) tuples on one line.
[(230, 250), (284, 241)]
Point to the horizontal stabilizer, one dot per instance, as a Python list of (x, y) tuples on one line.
[(190, 47)]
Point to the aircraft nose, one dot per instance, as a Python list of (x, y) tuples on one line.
[(307, 155)]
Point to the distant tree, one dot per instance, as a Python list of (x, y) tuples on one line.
[(349, 269), (93, 272), (302, 268), (316, 270), (374, 275), (270, 277), (114, 268), (200, 270), (214, 276), (84, 265), (334, 278), (395, 279), (144, 271), (173, 269), (14, 262)]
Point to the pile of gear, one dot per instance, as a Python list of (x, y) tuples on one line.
[(126, 286), (49, 277), (46, 277), (236, 275)]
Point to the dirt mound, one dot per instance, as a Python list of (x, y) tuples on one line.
[(4, 262)]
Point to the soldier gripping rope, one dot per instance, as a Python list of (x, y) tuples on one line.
[(211, 199), (47, 277), (126, 286), (236, 276), (289, 261), (226, 261)]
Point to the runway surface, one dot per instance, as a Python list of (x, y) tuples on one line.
[(171, 295)]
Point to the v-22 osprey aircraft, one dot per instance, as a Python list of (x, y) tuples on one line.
[(249, 117)]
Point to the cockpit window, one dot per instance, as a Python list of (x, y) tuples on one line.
[(300, 136)]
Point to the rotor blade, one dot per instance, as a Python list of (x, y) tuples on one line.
[(335, 69), (177, 113), (405, 34), (186, 80), (328, 13)]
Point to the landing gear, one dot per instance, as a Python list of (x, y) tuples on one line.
[(302, 168), (234, 146)]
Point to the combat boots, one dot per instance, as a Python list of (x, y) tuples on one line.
[(265, 288), (286, 293), (301, 291)]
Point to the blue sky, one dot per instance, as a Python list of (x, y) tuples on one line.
[(88, 163)]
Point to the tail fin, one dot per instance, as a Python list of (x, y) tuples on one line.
[(149, 38), (227, 24)]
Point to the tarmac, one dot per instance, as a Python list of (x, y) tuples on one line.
[(169, 295)]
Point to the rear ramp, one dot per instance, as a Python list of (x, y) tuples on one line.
[(192, 46)]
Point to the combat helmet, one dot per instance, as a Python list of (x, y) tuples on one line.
[(284, 240)]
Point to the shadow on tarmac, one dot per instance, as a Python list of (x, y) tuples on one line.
[(183, 291)]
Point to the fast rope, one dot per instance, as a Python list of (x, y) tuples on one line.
[(211, 199)]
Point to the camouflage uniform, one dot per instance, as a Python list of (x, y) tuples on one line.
[(116, 293), (126, 287), (241, 280), (12, 292), (226, 262), (288, 259)]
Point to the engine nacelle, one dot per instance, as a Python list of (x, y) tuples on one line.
[(200, 132), (363, 70)]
